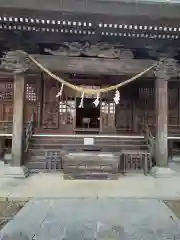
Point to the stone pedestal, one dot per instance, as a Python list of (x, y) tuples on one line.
[(162, 172), (16, 172)]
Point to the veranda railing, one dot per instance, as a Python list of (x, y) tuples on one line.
[(28, 133)]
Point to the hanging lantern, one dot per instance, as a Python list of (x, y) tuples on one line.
[(60, 92), (82, 99), (117, 97), (96, 101)]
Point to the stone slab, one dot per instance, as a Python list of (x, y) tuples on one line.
[(100, 219), (162, 172), (52, 185), (28, 220), (14, 236), (16, 172)]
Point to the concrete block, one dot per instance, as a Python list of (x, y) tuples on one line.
[(16, 172), (162, 172), (8, 156)]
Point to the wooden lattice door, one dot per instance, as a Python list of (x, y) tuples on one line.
[(107, 113), (107, 110), (67, 109), (6, 106), (50, 105), (124, 116), (123, 119), (146, 105)]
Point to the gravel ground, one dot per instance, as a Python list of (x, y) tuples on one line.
[(8, 210), (174, 205)]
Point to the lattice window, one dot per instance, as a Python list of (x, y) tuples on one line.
[(6, 91), (145, 92), (108, 107), (67, 109), (31, 92), (62, 107)]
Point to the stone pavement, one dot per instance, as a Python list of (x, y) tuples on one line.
[(101, 219), (52, 185)]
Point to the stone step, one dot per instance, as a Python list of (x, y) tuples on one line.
[(93, 169), (91, 176)]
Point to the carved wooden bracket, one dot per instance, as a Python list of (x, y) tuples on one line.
[(99, 50), (167, 68), (15, 61)]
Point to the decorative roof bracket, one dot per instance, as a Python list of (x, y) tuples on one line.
[(15, 61)]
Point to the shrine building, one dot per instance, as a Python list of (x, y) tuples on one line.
[(90, 45)]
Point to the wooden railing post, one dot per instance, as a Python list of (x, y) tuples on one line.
[(28, 132), (149, 139)]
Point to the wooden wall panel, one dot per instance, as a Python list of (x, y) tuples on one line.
[(146, 104), (124, 110), (173, 104), (50, 118), (124, 115)]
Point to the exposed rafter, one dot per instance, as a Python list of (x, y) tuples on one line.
[(102, 28)]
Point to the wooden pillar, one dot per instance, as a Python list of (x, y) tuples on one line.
[(2, 141), (179, 104), (18, 120), (161, 143)]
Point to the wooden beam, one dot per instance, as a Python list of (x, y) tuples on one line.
[(30, 40), (92, 65), (118, 7)]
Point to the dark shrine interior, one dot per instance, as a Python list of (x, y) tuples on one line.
[(87, 116)]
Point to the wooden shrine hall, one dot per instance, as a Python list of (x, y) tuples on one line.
[(89, 47)]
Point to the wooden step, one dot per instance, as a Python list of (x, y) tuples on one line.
[(40, 145), (56, 139), (41, 152), (61, 146), (40, 165)]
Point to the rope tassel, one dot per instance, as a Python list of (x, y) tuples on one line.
[(117, 97), (60, 92), (96, 101), (82, 99)]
